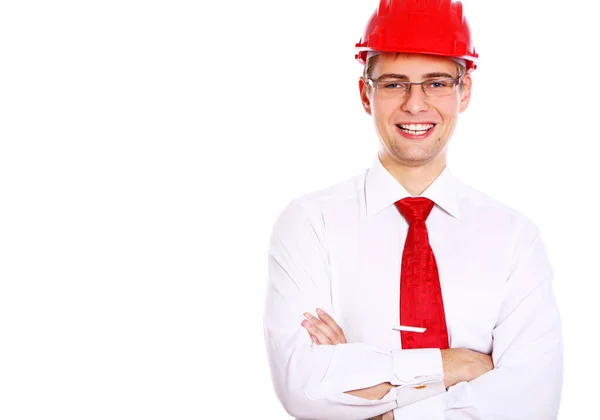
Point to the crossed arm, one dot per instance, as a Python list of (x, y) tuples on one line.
[(459, 364)]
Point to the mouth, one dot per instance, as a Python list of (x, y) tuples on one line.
[(415, 129)]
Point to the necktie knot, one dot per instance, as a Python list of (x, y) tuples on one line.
[(414, 208)]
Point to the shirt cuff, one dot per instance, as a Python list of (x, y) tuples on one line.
[(419, 374)]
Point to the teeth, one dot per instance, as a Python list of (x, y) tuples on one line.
[(416, 127)]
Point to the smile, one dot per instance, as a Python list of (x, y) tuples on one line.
[(415, 129)]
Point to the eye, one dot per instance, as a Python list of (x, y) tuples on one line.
[(439, 84), (392, 85)]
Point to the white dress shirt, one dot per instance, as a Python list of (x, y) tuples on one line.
[(340, 249)]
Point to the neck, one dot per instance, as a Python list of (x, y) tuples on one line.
[(414, 179)]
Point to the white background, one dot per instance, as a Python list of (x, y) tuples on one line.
[(146, 148)]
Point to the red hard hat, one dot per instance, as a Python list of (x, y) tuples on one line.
[(419, 26)]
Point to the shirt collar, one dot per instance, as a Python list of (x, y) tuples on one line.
[(382, 190)]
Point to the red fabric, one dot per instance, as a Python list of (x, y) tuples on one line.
[(421, 303)]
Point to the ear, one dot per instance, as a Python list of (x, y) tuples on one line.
[(465, 94), (363, 87)]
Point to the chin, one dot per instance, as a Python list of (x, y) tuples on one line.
[(412, 162), (412, 153)]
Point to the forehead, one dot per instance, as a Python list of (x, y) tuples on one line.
[(412, 65)]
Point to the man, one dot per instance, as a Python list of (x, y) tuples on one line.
[(403, 292)]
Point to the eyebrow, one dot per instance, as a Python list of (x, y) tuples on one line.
[(437, 74), (405, 77)]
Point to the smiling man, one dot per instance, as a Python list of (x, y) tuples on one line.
[(404, 292)]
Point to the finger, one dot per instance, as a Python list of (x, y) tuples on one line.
[(314, 339), (330, 322), (318, 335), (324, 328), (312, 330)]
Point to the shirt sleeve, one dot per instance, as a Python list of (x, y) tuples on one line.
[(526, 382), (311, 380)]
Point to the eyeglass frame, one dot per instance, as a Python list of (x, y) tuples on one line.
[(456, 81)]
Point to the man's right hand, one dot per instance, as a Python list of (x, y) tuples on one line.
[(463, 365)]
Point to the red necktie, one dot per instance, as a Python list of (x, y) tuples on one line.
[(421, 303)]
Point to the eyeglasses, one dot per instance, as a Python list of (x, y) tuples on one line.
[(394, 88)]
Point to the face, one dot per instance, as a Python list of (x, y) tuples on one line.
[(414, 130)]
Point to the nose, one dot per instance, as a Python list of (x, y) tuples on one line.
[(415, 101)]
